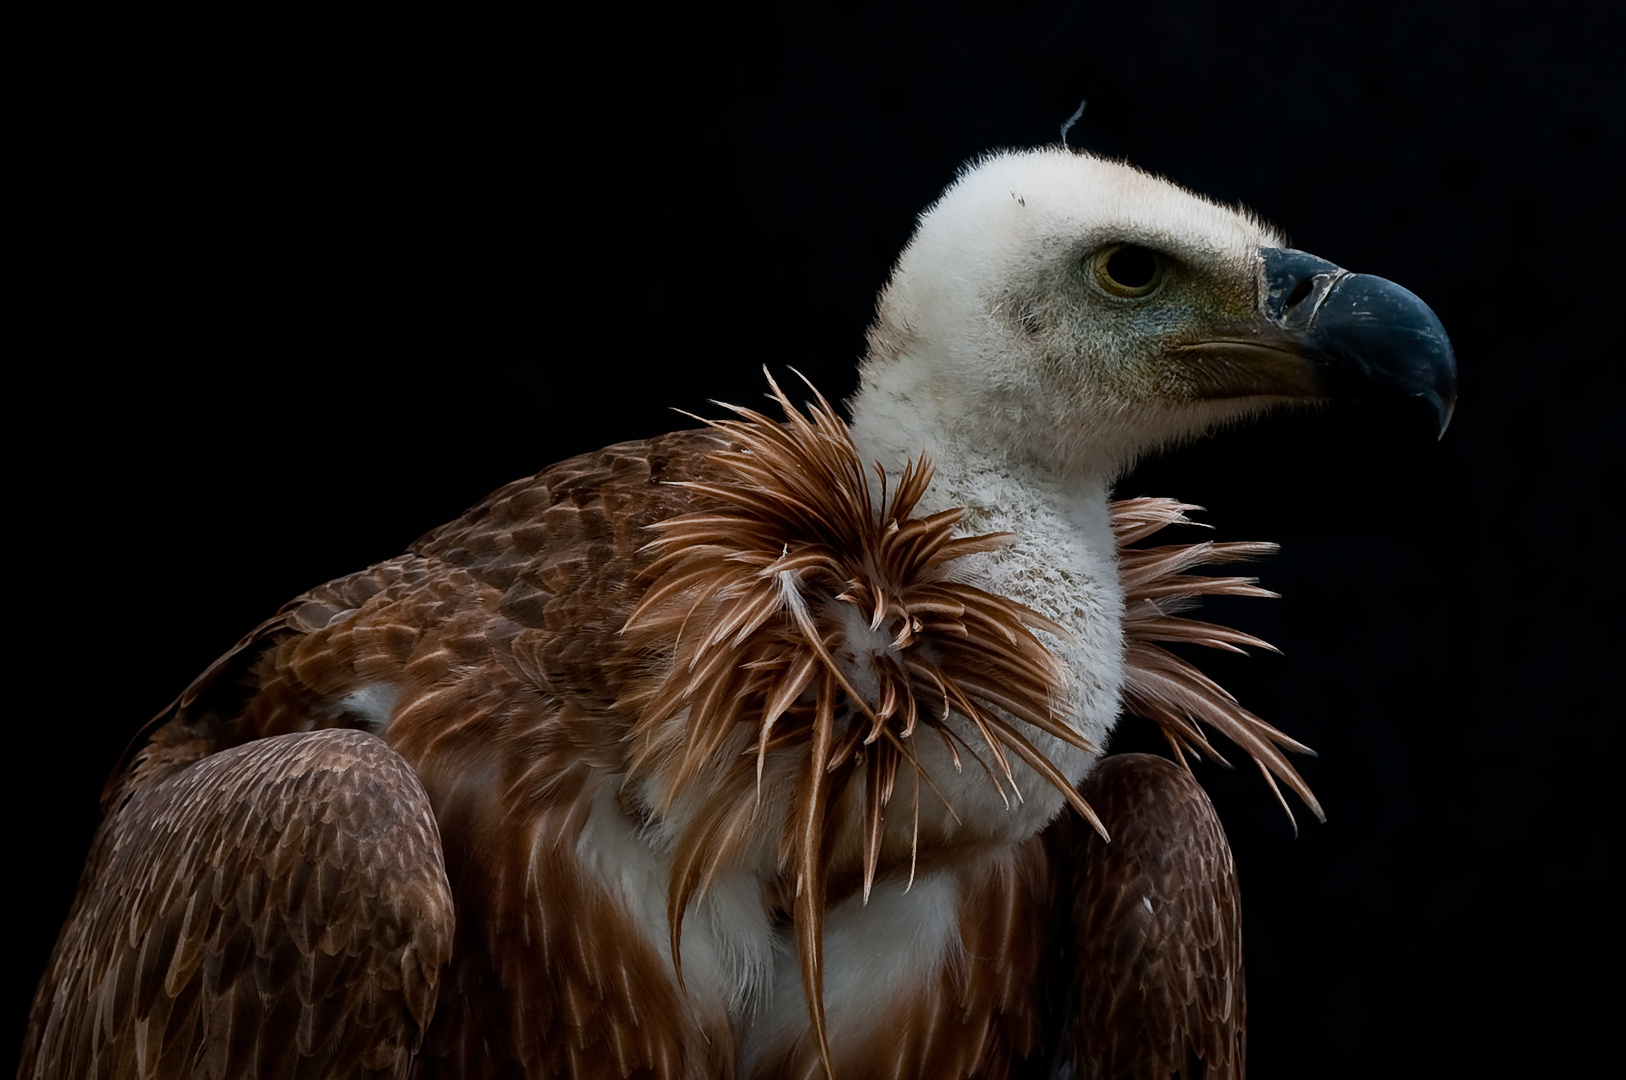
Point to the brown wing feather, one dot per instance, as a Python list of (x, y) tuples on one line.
[(1157, 931), (564, 550), (274, 910)]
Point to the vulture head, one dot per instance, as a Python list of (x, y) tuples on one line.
[(1075, 313)]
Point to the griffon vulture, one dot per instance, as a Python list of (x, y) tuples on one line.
[(766, 749)]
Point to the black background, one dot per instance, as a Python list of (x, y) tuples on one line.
[(293, 289)]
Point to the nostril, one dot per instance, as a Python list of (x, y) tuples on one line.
[(1300, 293)]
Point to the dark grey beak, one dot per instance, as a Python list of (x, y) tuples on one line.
[(1360, 331)]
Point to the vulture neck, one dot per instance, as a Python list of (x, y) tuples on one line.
[(904, 412), (1063, 558)]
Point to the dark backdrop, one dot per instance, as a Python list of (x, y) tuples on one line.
[(295, 289)]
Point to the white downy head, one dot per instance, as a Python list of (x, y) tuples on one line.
[(1006, 331)]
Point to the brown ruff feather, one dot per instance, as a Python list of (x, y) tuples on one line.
[(1163, 687), (751, 603)]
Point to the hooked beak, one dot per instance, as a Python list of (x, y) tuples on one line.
[(1325, 332)]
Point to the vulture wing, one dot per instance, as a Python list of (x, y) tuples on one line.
[(271, 904), (1157, 932)]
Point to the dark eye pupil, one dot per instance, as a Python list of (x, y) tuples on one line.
[(1132, 267)]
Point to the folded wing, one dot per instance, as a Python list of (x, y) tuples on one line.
[(1157, 932), (269, 906)]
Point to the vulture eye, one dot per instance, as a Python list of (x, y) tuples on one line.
[(1128, 270)]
